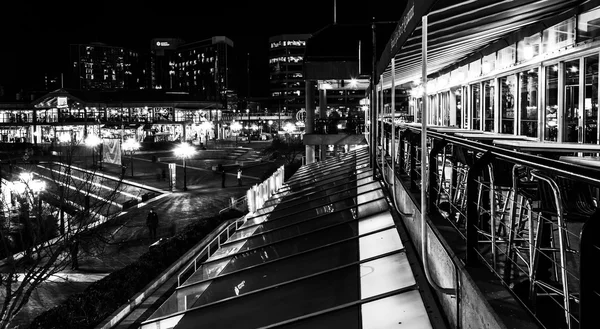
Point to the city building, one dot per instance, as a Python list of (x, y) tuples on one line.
[(98, 66), (163, 52), (205, 69), (145, 115), (286, 77)]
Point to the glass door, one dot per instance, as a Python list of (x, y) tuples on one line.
[(508, 92), (529, 102), (488, 106), (475, 107), (590, 101), (572, 114), (551, 98)]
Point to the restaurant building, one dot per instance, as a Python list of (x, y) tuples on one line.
[(533, 75), (67, 115)]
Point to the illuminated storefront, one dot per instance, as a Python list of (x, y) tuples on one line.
[(543, 84), (65, 115)]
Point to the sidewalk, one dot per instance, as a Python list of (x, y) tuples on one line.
[(129, 238)]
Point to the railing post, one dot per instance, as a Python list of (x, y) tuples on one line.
[(413, 161), (472, 215), (433, 170), (401, 137), (589, 290)]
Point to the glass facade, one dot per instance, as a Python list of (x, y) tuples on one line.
[(552, 95), (551, 111), (528, 84), (508, 93), (590, 100)]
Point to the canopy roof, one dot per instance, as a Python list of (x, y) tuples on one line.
[(459, 33)]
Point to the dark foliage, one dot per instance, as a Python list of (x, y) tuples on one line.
[(90, 307)]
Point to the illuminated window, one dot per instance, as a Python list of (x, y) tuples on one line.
[(558, 36), (475, 69), (529, 47), (506, 57)]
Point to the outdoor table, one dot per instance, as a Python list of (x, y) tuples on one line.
[(547, 147), (584, 161)]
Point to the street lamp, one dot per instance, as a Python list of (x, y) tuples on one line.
[(235, 128), (131, 145), (289, 129), (270, 123), (93, 141), (184, 151), (29, 188), (206, 126)]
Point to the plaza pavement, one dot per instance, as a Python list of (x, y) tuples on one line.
[(204, 198)]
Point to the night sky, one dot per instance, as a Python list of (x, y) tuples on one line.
[(36, 37)]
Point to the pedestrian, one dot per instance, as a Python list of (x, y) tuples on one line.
[(222, 177), (239, 176), (152, 223), (74, 250)]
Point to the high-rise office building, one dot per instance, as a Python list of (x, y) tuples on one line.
[(205, 68), (163, 52), (286, 55), (97, 66)]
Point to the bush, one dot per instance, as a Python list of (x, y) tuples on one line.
[(89, 308)]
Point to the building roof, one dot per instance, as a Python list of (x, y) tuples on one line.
[(460, 34), (324, 251), (122, 96)]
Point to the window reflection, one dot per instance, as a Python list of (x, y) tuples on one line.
[(507, 104), (571, 116), (529, 102), (457, 99), (550, 123), (590, 102), (475, 108), (488, 106)]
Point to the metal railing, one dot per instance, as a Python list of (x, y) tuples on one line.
[(209, 250), (241, 202), (531, 220)]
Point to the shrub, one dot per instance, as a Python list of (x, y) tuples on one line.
[(99, 300)]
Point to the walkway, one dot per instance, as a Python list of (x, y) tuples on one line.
[(129, 236)]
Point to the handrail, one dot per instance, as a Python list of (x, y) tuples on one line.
[(242, 200), (424, 177), (583, 173), (237, 223)]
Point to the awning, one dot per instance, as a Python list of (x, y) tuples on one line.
[(460, 32)]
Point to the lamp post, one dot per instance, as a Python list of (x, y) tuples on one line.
[(206, 126), (289, 129), (184, 151), (131, 145), (93, 141), (236, 127), (29, 189), (270, 123)]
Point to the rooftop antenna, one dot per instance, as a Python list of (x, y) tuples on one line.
[(334, 12)]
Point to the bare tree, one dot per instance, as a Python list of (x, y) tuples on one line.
[(47, 207), (288, 149)]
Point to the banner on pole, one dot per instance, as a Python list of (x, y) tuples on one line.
[(111, 152)]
